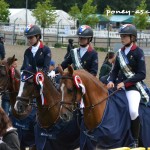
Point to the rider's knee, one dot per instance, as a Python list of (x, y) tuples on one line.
[(134, 114)]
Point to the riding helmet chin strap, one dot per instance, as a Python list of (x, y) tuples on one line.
[(127, 45), (36, 40), (85, 45)]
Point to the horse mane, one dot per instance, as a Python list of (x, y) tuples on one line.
[(89, 77), (51, 82)]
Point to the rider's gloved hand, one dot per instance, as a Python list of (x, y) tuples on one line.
[(52, 74), (110, 85)]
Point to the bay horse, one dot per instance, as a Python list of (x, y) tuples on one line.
[(106, 121), (52, 133), (9, 83)]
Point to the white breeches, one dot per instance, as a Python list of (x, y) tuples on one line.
[(134, 98)]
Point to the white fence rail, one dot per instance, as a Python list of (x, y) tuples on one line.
[(69, 32)]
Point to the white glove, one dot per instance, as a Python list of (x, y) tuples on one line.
[(52, 74)]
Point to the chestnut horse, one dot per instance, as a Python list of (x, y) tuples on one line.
[(9, 83), (106, 121), (51, 131)]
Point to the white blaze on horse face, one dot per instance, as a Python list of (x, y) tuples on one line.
[(62, 90), (21, 88)]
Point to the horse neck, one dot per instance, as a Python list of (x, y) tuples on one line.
[(95, 93), (48, 113)]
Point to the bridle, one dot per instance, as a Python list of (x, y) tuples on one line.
[(24, 100), (73, 104), (76, 104)]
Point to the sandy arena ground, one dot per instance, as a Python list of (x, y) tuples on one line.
[(58, 55)]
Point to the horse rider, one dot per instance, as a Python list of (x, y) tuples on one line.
[(2, 48), (37, 56), (130, 64), (84, 57)]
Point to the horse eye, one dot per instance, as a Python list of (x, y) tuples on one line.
[(70, 90)]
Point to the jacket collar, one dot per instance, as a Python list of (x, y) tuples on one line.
[(41, 45), (134, 46)]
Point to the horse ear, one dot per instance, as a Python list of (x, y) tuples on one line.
[(60, 70), (13, 57), (70, 70)]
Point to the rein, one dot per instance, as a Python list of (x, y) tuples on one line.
[(104, 99)]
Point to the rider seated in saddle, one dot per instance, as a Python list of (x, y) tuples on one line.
[(130, 64), (84, 57), (37, 56)]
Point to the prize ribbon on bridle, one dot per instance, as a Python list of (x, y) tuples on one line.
[(39, 79)]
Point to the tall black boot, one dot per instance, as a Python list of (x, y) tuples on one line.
[(135, 129)]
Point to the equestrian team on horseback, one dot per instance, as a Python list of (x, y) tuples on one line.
[(127, 73)]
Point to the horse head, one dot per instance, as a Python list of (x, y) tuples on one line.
[(4, 75), (72, 90), (81, 90), (10, 82), (26, 91), (38, 85)]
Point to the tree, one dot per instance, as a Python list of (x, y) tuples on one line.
[(141, 16), (87, 15), (74, 13), (4, 11), (45, 13)]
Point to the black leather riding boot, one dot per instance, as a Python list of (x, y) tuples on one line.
[(135, 129)]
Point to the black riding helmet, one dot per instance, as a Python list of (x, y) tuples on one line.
[(128, 29), (32, 30), (85, 31)]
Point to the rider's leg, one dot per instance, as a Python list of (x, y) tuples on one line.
[(134, 98)]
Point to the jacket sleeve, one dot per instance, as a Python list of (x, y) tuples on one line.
[(66, 62), (11, 144), (25, 61), (47, 58), (104, 71), (4, 146), (94, 64)]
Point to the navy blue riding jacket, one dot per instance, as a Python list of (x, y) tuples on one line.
[(137, 64), (40, 60), (89, 61)]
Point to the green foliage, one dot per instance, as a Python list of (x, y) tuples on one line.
[(100, 49), (74, 11), (106, 15), (141, 16), (4, 11), (20, 42), (58, 45), (87, 15), (45, 13)]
